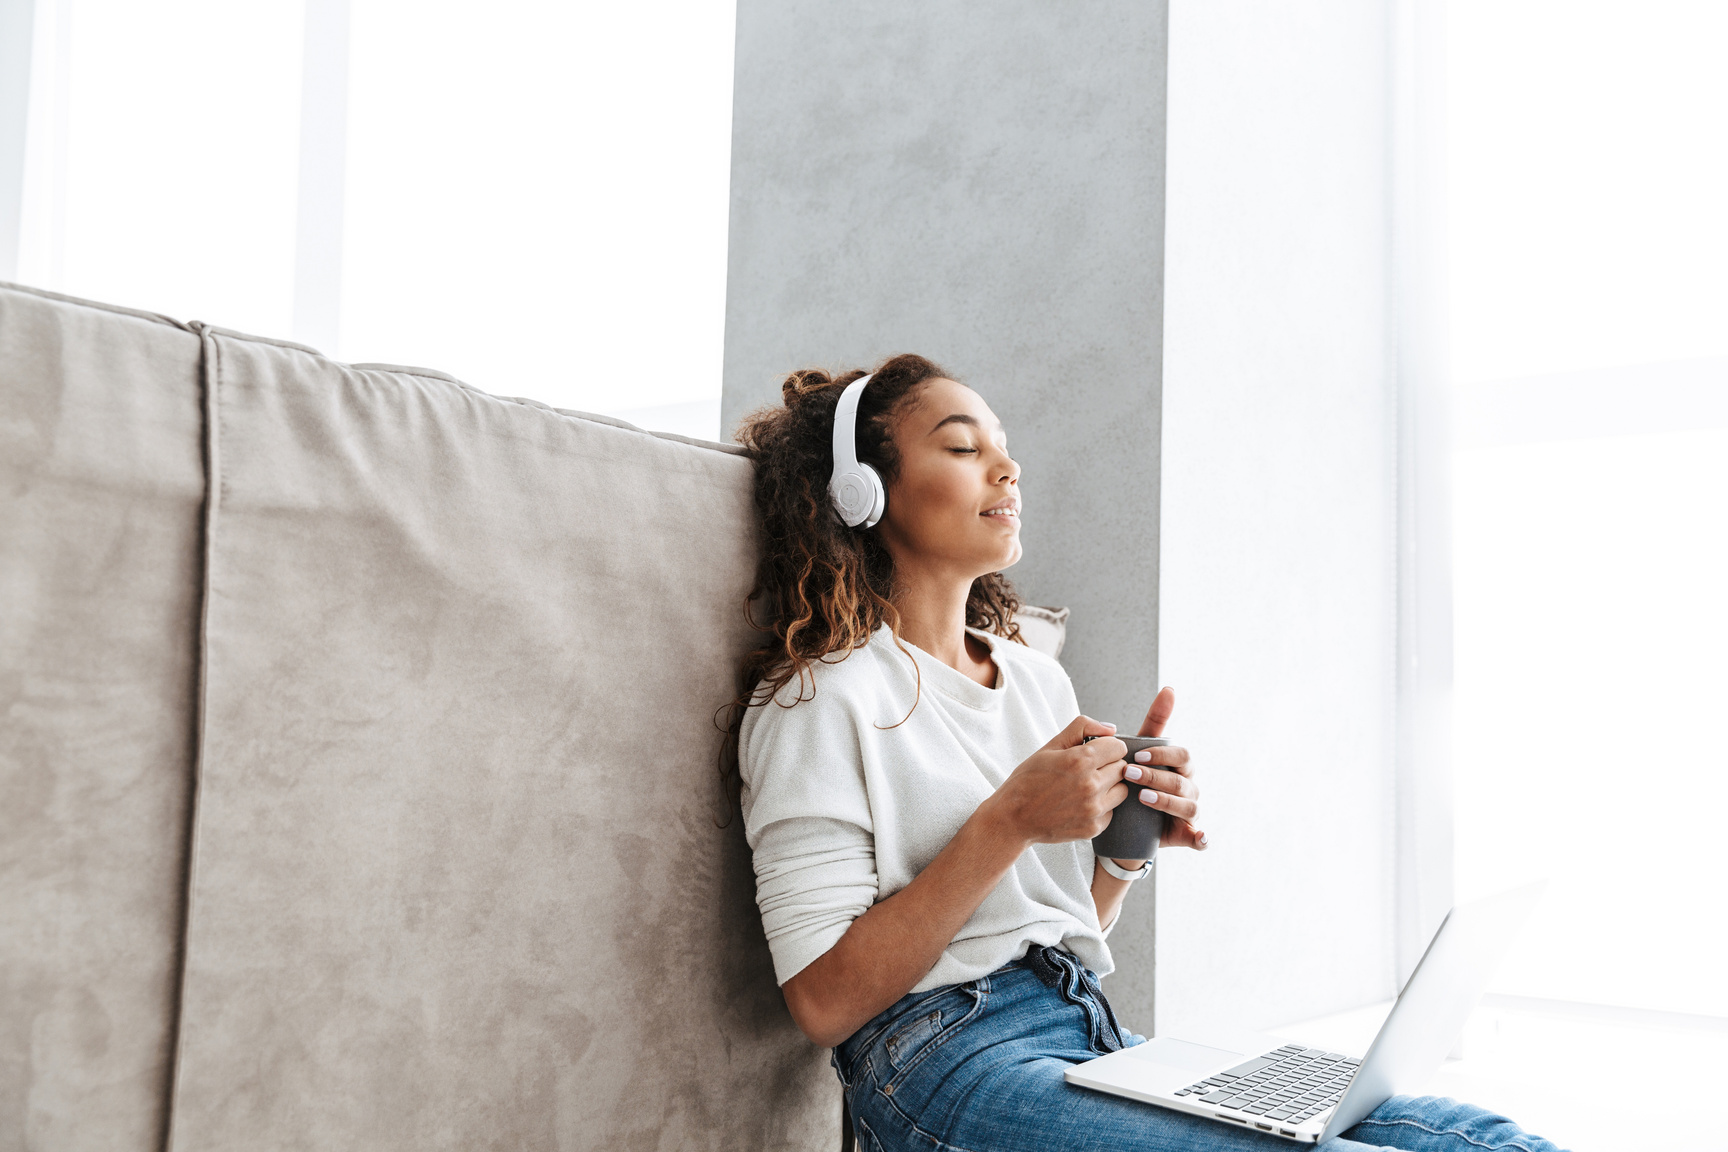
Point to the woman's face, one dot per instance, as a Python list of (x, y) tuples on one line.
[(954, 508)]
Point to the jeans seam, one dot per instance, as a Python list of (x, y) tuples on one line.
[(940, 1143), (980, 996), (869, 1042), (876, 1144), (834, 1061), (1097, 992), (1443, 1132), (1076, 990), (930, 994)]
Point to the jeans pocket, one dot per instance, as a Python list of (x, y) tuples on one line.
[(909, 1039), (935, 1024)]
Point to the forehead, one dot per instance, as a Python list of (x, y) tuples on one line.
[(941, 398)]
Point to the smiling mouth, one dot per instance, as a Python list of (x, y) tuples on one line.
[(1014, 512)]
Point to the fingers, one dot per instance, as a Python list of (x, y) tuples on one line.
[(1163, 781), (1159, 714), (1181, 834), (1101, 752), (1178, 806), (1170, 756), (1078, 729), (1099, 727), (1107, 800)]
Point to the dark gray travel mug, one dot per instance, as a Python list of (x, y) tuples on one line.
[(1134, 829)]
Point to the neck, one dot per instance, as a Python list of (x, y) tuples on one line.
[(933, 616)]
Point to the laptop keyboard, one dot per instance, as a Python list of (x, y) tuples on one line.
[(1292, 1084)]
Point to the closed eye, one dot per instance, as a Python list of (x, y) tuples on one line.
[(972, 450)]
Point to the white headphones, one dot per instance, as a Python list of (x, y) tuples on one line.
[(855, 488)]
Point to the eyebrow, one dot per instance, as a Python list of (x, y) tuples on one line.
[(957, 418)]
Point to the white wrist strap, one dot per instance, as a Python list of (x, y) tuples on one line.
[(1121, 873)]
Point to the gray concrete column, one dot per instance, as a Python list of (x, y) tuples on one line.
[(983, 185)]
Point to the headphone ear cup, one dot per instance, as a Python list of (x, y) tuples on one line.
[(878, 494), (851, 494)]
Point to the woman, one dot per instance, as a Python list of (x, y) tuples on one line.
[(919, 794)]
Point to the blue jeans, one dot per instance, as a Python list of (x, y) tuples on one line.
[(977, 1067)]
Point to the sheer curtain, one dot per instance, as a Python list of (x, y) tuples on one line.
[(537, 196), (530, 196), (160, 157), (1588, 155)]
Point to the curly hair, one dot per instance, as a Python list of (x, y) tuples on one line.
[(822, 588)]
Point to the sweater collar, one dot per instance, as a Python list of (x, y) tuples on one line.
[(952, 682)]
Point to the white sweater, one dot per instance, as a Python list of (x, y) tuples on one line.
[(842, 808)]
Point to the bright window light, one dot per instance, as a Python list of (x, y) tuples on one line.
[(1590, 344), (535, 195), (160, 162), (1591, 680), (1589, 171)]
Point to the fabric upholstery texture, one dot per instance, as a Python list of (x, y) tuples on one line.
[(1043, 629), (458, 878), (459, 874), (101, 485)]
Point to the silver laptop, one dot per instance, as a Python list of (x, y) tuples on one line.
[(1310, 1094)]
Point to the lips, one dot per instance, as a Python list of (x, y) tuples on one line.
[(1004, 509)]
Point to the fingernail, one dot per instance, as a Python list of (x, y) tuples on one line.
[(1202, 840), (1143, 756), (1109, 725), (1133, 773), (1147, 796)]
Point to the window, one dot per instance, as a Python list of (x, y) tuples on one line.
[(1588, 152), (532, 197)]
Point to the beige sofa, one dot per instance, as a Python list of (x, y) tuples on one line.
[(358, 753), (359, 762)]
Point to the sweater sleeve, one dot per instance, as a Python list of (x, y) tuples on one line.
[(814, 876), (807, 819)]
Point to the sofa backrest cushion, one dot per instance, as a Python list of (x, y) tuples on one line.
[(462, 876), (427, 680), (100, 490)]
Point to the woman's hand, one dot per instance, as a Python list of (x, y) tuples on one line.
[(1171, 779), (1065, 790), (1170, 789)]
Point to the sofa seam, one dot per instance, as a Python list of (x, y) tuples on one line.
[(209, 377)]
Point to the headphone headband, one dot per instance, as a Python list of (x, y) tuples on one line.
[(846, 426), (855, 488)]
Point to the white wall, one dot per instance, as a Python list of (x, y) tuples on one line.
[(1277, 600)]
